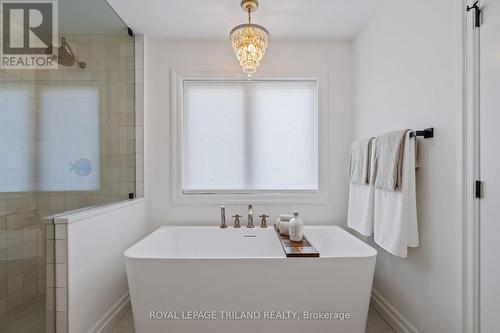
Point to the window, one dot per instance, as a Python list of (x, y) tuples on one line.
[(16, 137), (49, 137), (68, 137), (249, 136)]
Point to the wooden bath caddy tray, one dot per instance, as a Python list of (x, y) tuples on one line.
[(297, 249)]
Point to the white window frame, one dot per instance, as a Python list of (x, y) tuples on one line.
[(243, 197)]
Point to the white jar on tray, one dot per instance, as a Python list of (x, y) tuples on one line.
[(296, 228)]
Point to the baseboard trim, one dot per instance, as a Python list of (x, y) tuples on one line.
[(106, 323), (392, 316)]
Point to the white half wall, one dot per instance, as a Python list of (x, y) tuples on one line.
[(162, 56), (97, 288), (406, 75)]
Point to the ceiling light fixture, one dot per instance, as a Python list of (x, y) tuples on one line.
[(249, 40)]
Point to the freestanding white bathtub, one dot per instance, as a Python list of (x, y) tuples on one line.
[(206, 279)]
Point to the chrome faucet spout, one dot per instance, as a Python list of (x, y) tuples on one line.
[(223, 224), (250, 217)]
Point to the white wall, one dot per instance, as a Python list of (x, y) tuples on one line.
[(97, 285), (163, 55), (406, 74)]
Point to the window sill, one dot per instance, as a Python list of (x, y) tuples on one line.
[(313, 197)]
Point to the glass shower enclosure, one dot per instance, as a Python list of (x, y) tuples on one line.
[(67, 141)]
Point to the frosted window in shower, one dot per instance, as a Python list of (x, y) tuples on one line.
[(17, 137), (68, 134), (249, 136)]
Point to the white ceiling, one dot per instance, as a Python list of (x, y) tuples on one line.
[(213, 19)]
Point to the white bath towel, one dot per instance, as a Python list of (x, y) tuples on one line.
[(388, 159), (360, 209), (359, 161), (361, 197), (395, 212)]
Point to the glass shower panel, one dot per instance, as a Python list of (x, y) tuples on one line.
[(67, 141)]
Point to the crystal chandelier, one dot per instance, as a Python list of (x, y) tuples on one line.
[(249, 40)]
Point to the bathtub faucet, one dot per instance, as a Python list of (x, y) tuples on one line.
[(223, 224), (250, 217)]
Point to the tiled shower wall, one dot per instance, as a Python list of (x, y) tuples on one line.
[(24, 250)]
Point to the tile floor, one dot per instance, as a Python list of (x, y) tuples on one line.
[(29, 318), (375, 324)]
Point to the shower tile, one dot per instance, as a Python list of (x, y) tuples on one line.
[(14, 300), (30, 277), (57, 203), (14, 248), (126, 119), (60, 231), (60, 251), (112, 50), (97, 63), (112, 39), (140, 163), (29, 203), (3, 306), (15, 234), (139, 119), (114, 119), (29, 233), (3, 209), (50, 299), (43, 202), (3, 287), (13, 206), (28, 248), (126, 49), (13, 195), (129, 63), (29, 291), (97, 39), (61, 322), (49, 231), (50, 275), (14, 268), (61, 299), (50, 322), (49, 251), (71, 202), (98, 50), (15, 283), (112, 63), (61, 275)]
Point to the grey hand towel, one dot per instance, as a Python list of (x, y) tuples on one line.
[(388, 160), (359, 163)]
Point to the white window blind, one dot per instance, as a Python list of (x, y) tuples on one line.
[(68, 132), (49, 137), (17, 137), (249, 136)]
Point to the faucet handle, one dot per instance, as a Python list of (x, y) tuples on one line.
[(237, 220), (263, 222)]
